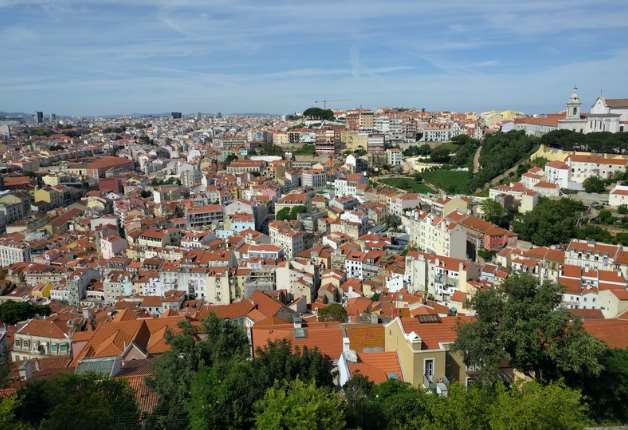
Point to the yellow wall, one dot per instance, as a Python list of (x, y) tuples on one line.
[(553, 154), (42, 195), (411, 359)]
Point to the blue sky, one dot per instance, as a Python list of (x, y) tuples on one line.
[(121, 56)]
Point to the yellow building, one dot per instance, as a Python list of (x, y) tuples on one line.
[(423, 346), (354, 140), (42, 290)]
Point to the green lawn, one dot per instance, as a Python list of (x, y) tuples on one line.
[(407, 184), (451, 146), (451, 181)]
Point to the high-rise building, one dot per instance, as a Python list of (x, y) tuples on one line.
[(38, 118), (175, 115)]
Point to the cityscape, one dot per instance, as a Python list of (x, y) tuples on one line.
[(321, 249)]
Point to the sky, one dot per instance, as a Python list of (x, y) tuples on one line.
[(91, 57)]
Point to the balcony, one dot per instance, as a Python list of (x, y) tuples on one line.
[(437, 385)]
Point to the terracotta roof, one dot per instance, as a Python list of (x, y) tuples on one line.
[(613, 332), (377, 366), (365, 336), (434, 333), (326, 337)]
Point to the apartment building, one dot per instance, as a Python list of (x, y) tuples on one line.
[(41, 338), (204, 216), (595, 255), (313, 179), (436, 235), (290, 239), (423, 347), (14, 251)]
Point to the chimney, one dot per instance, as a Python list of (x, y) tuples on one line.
[(346, 344)]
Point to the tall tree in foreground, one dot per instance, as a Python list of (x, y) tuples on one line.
[(521, 323), (222, 396), (78, 402), (297, 405), (174, 370), (277, 361)]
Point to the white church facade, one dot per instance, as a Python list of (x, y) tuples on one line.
[(610, 115)]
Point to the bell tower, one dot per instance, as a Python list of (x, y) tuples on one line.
[(573, 105)]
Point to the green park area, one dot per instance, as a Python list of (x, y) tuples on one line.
[(408, 184)]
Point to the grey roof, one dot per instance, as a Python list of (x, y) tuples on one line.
[(100, 366)]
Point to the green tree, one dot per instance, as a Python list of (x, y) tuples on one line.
[(363, 410), (300, 406), (594, 184), (606, 393), (622, 209), (8, 420), (528, 329), (605, 217), (493, 211), (550, 222), (306, 149), (77, 402), (333, 312), (174, 370), (440, 155), (318, 113), (12, 312), (296, 210), (534, 406), (278, 361), (223, 395), (283, 214)]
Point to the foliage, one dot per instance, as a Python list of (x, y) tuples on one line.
[(494, 212), (550, 222), (450, 181), (283, 214), (536, 406), (603, 142), (416, 150), (465, 152), (270, 149), (77, 402), (622, 209), (299, 405), (540, 162), (360, 152), (306, 149), (501, 151), (440, 155), (174, 370), (593, 184), (333, 312), (223, 395), (12, 311), (528, 329), (318, 113), (229, 158), (278, 361), (8, 419), (286, 214), (594, 232), (486, 254), (407, 184)]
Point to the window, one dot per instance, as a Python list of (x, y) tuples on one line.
[(429, 367)]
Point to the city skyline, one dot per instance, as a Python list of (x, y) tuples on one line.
[(115, 57)]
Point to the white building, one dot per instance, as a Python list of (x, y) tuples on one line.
[(618, 196), (12, 251)]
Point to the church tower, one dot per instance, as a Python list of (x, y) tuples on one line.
[(573, 106)]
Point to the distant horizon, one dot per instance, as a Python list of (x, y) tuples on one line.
[(108, 57)]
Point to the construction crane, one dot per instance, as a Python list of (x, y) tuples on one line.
[(325, 101)]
